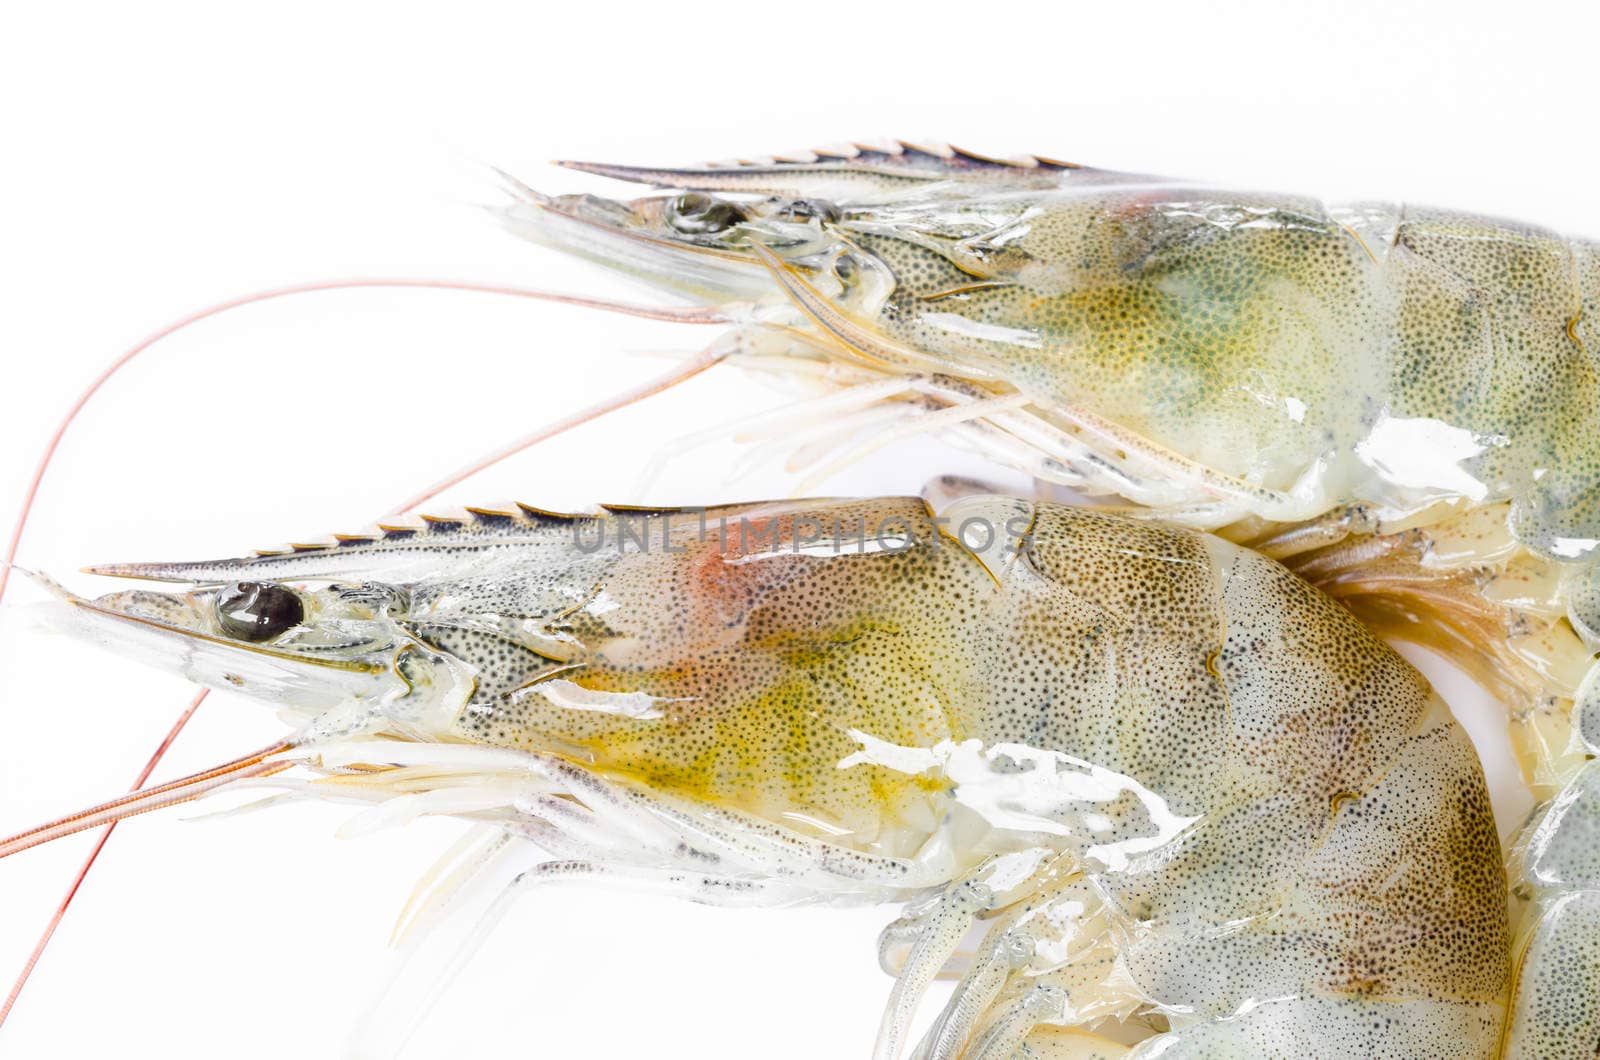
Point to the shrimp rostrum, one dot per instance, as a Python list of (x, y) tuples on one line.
[(1141, 790)]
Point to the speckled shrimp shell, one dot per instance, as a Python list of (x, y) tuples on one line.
[(1142, 790), (1357, 378), (1219, 354), (1401, 403)]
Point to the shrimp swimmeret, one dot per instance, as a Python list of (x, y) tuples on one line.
[(1144, 791)]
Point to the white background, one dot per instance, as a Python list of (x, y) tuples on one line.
[(159, 157)]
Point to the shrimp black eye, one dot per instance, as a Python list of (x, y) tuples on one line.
[(257, 611), (846, 269), (806, 209), (698, 214)]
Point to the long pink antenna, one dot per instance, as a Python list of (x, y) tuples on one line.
[(690, 368), (88, 863), (692, 315), (684, 371)]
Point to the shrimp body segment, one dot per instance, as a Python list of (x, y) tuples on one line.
[(1188, 805)]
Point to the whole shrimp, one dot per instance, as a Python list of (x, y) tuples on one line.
[(1181, 802)]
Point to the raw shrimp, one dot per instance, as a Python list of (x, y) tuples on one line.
[(1215, 354), (1187, 805), (1363, 381), (1401, 403)]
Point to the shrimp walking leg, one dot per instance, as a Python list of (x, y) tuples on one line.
[(944, 928)]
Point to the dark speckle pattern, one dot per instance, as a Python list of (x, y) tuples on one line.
[(1357, 352), (1284, 835)]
